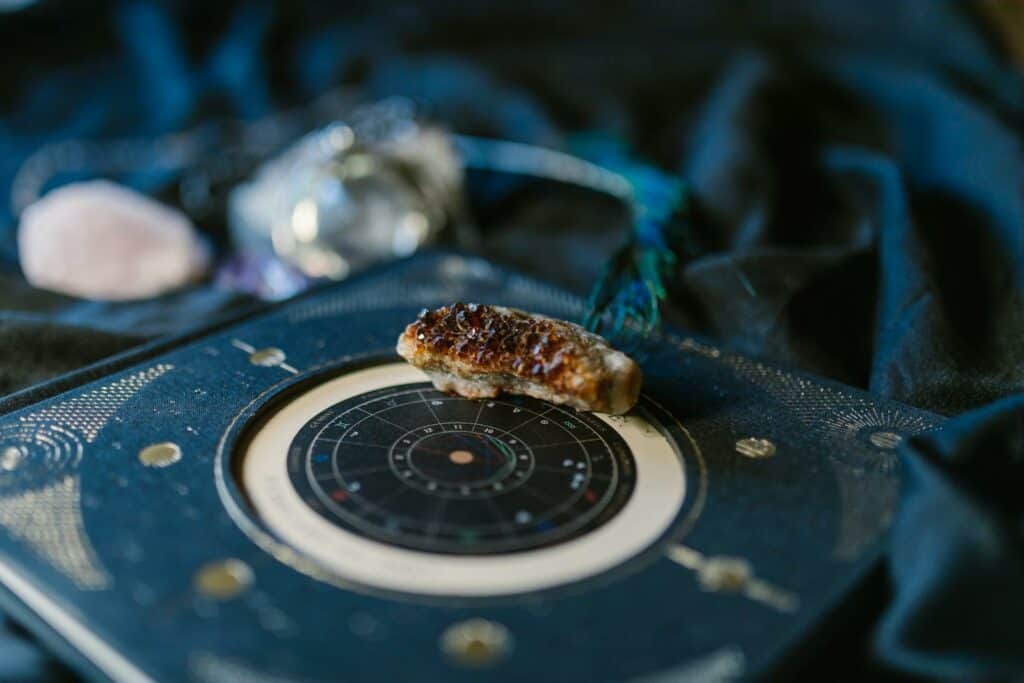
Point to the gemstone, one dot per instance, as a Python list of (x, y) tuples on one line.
[(103, 241), (333, 209)]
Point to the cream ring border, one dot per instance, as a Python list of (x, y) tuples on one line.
[(653, 506)]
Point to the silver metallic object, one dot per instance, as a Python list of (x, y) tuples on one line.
[(351, 194)]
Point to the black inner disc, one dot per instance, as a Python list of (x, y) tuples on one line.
[(417, 468)]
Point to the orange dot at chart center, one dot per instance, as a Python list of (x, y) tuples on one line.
[(461, 457)]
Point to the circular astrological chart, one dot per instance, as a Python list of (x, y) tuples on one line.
[(383, 481)]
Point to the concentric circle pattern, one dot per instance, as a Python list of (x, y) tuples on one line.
[(414, 467), (384, 481)]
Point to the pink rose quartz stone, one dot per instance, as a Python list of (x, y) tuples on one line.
[(99, 240)]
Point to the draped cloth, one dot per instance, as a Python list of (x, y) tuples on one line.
[(857, 193)]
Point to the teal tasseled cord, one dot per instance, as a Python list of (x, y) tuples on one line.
[(625, 303)]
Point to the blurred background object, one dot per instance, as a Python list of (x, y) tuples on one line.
[(372, 186), (97, 240), (1007, 21)]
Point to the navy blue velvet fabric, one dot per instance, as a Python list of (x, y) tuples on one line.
[(858, 197), (957, 556)]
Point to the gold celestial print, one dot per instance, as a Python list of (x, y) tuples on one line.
[(47, 517), (724, 664), (725, 574), (755, 448), (160, 454), (476, 642), (224, 579), (11, 457), (49, 521), (885, 439), (270, 357), (89, 413), (832, 410), (206, 667), (869, 434)]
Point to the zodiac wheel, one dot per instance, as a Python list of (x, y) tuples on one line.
[(385, 481), (414, 467)]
